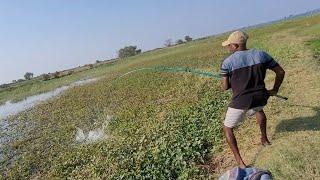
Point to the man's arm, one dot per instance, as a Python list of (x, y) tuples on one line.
[(224, 74), (225, 82), (278, 80)]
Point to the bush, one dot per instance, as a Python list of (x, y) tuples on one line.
[(6, 85), (70, 72), (180, 41), (56, 74), (45, 77), (128, 51), (28, 75), (138, 51), (188, 38), (168, 43)]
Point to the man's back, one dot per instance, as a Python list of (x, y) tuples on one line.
[(246, 70)]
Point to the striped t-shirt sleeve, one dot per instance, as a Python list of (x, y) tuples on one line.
[(224, 71), (269, 61)]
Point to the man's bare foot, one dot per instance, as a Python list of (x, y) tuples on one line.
[(265, 142), (242, 165)]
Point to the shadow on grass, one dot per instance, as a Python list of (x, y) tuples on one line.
[(311, 123)]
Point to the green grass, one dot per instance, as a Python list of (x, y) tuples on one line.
[(295, 153), (168, 124)]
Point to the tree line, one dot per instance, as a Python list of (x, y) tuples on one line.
[(129, 51), (124, 52)]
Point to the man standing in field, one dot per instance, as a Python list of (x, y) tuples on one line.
[(244, 72)]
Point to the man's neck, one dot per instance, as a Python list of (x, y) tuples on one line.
[(242, 49)]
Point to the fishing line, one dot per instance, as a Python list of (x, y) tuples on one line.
[(179, 69), (176, 69)]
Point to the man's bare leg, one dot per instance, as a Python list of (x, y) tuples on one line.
[(231, 139), (262, 121)]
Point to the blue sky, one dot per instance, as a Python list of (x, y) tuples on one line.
[(43, 36)]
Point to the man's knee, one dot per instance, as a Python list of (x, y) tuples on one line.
[(260, 115), (227, 130)]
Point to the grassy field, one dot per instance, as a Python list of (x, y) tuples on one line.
[(168, 125)]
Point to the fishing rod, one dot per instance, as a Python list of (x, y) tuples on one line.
[(176, 70), (281, 97), (184, 70)]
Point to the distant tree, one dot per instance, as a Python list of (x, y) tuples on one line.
[(179, 41), (168, 43), (97, 61), (14, 81), (4, 85), (70, 72), (188, 38), (28, 75), (128, 51), (56, 74), (45, 77), (138, 51), (20, 80)]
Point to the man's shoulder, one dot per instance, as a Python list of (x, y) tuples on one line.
[(246, 58), (229, 59), (244, 54), (260, 53)]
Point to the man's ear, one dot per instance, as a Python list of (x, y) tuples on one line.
[(236, 46)]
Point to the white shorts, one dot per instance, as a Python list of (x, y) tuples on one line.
[(236, 116)]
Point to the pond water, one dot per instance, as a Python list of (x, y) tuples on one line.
[(10, 108), (8, 128)]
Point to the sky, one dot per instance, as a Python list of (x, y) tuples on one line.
[(42, 36)]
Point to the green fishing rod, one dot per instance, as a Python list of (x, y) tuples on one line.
[(177, 69)]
